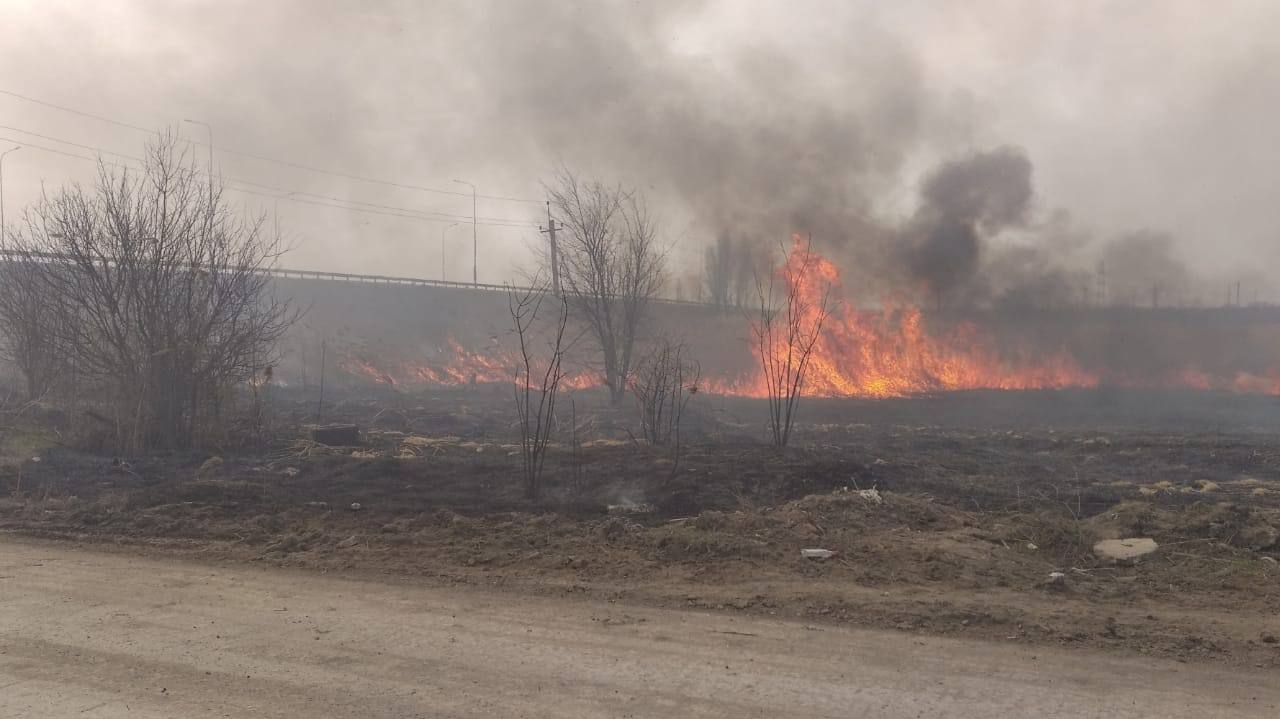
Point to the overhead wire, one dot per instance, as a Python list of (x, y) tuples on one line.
[(286, 194), (265, 158)]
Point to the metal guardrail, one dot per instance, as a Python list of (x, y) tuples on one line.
[(381, 279), (423, 282), (8, 255)]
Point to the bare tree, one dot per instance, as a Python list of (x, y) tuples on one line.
[(537, 379), (610, 267), (729, 271), (785, 335), (164, 288), (664, 382)]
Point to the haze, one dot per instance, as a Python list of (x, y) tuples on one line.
[(752, 118)]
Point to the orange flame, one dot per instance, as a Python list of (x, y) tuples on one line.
[(460, 366), (859, 353), (889, 353)]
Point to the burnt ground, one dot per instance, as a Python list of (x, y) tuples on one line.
[(969, 517)]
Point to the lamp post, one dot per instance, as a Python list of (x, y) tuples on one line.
[(442, 234), (474, 251), (3, 231)]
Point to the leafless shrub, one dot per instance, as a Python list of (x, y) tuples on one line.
[(785, 335), (162, 303), (729, 270), (259, 419), (537, 379), (576, 477), (610, 267), (664, 382)]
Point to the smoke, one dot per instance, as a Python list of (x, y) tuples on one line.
[(754, 141), (750, 119), (1145, 271), (963, 202), (1051, 264)]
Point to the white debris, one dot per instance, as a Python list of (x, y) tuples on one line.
[(871, 495), (355, 506), (631, 508), (817, 553), (1125, 550)]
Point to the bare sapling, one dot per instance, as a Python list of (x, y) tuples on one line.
[(786, 330), (664, 382), (610, 268), (576, 479), (537, 377)]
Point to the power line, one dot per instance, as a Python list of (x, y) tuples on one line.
[(445, 215), (264, 158), (405, 213)]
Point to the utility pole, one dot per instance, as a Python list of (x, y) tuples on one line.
[(275, 213), (474, 251), (209, 212), (1101, 289), (443, 231), (550, 231), (208, 127), (320, 403), (3, 231)]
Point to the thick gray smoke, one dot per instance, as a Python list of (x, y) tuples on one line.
[(751, 119), (756, 144), (962, 203)]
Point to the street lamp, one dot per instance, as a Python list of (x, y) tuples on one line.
[(442, 234), (474, 252), (3, 236)]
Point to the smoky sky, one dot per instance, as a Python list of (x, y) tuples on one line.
[(858, 122)]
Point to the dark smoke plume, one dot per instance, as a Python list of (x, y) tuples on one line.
[(964, 202)]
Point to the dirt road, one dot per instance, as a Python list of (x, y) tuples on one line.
[(90, 634)]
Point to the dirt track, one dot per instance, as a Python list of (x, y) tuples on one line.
[(88, 634)]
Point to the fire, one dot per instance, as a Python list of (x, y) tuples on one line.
[(889, 352), (457, 366)]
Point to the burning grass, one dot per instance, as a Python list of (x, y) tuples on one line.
[(893, 351)]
